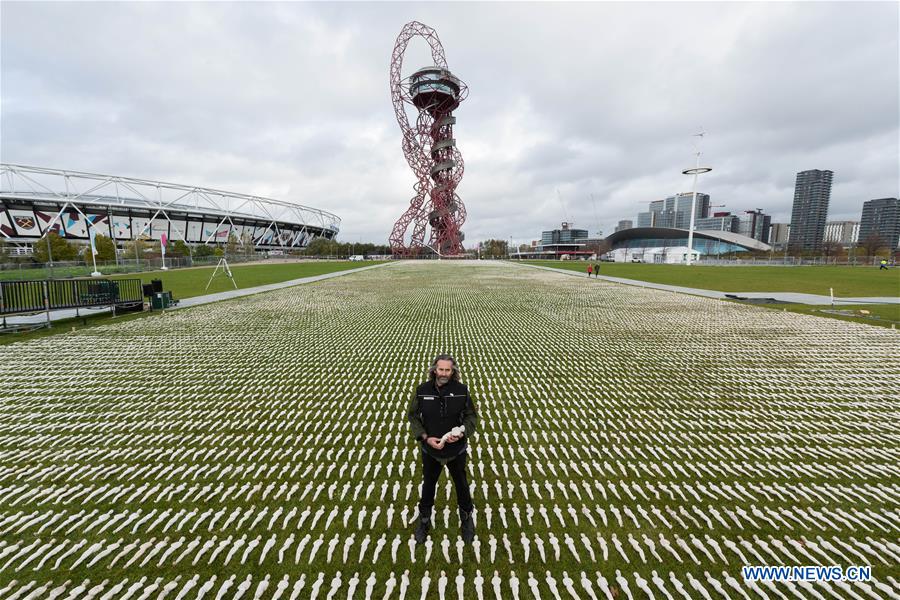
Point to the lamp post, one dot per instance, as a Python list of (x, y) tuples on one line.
[(696, 172), (49, 254), (787, 242)]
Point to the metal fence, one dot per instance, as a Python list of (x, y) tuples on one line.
[(52, 294)]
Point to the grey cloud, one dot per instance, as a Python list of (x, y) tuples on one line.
[(292, 100)]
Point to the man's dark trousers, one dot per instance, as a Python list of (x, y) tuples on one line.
[(431, 470)]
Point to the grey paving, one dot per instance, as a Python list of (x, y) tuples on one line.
[(57, 315), (792, 297)]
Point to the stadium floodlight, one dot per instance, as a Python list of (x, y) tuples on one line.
[(696, 172)]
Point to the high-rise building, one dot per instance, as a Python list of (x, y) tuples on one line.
[(778, 234), (646, 219), (845, 233), (565, 235), (680, 204), (674, 211), (717, 222), (754, 224), (812, 192), (624, 224), (881, 217)]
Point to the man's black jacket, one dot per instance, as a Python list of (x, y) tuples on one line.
[(436, 411)]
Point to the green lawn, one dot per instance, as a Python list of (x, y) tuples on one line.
[(847, 282), (186, 283)]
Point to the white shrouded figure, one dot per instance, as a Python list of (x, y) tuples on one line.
[(206, 587), (298, 586), (456, 432), (442, 585), (370, 586)]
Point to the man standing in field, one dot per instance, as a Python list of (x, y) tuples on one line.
[(437, 407)]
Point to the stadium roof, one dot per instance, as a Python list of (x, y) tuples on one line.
[(674, 233), (37, 184)]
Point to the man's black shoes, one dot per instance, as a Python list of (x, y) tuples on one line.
[(467, 526), (423, 529)]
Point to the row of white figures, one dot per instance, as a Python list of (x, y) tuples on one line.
[(663, 447), (53, 554), (721, 490), (242, 519), (299, 408), (306, 447), (717, 489), (661, 457), (599, 588)]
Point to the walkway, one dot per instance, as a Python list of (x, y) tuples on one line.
[(792, 297), (71, 313)]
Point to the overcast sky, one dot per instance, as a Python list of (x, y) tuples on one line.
[(567, 102)]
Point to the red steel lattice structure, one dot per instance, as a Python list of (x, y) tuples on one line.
[(430, 149)]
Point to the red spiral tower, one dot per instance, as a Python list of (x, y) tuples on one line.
[(430, 149)]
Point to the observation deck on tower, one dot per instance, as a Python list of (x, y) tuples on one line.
[(435, 89)]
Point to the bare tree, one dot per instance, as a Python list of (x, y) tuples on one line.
[(872, 244), (830, 249), (598, 247)]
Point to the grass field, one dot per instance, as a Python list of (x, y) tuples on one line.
[(627, 438), (847, 281), (187, 283)]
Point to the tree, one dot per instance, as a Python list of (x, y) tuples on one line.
[(830, 249), (321, 246), (494, 248), (872, 244), (135, 248), (106, 249), (178, 248), (61, 249), (598, 247), (203, 250), (231, 246), (247, 244)]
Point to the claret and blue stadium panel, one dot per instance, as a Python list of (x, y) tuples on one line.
[(35, 200)]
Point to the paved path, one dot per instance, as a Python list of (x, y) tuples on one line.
[(792, 297), (57, 315)]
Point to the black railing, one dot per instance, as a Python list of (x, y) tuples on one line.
[(52, 294)]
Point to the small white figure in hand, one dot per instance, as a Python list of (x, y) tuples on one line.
[(451, 436)]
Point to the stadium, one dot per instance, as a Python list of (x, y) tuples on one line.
[(670, 245), (35, 200)]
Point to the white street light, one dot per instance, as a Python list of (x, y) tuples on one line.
[(696, 171)]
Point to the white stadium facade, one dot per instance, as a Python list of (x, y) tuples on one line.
[(35, 200)]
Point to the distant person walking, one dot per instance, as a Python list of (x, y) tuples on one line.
[(590, 270), (883, 266), (597, 270)]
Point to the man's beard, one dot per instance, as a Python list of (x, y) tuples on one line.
[(442, 380)]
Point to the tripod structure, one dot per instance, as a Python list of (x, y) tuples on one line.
[(223, 264), (429, 148)]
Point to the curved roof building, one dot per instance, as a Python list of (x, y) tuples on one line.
[(34, 200), (669, 245)]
